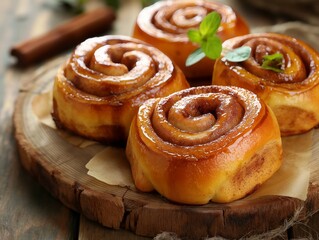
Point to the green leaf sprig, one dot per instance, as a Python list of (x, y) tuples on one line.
[(238, 54), (273, 62), (210, 44)]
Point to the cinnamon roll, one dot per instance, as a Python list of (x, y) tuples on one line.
[(292, 93), (165, 25), (98, 90), (205, 143)]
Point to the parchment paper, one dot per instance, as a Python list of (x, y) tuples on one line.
[(42, 105)]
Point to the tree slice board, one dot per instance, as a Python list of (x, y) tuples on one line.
[(60, 168)]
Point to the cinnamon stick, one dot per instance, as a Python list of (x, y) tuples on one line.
[(63, 37)]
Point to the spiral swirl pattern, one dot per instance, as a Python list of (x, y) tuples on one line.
[(189, 145), (99, 89), (291, 93), (110, 65), (166, 23)]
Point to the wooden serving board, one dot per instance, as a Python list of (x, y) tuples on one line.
[(60, 167)]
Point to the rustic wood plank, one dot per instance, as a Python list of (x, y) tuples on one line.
[(89, 228), (308, 226), (26, 210), (307, 229), (29, 212)]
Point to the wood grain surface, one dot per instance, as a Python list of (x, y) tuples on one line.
[(60, 167), (27, 210)]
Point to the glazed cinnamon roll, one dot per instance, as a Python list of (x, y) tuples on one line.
[(98, 90), (209, 143), (165, 25), (292, 92)]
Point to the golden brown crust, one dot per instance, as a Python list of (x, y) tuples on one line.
[(292, 94), (165, 25), (99, 89), (224, 144)]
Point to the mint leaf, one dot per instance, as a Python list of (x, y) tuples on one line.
[(195, 57), (212, 47), (274, 69), (210, 24), (273, 62), (238, 54), (194, 36), (211, 44), (205, 36), (277, 57)]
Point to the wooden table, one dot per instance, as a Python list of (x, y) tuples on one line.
[(28, 211)]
